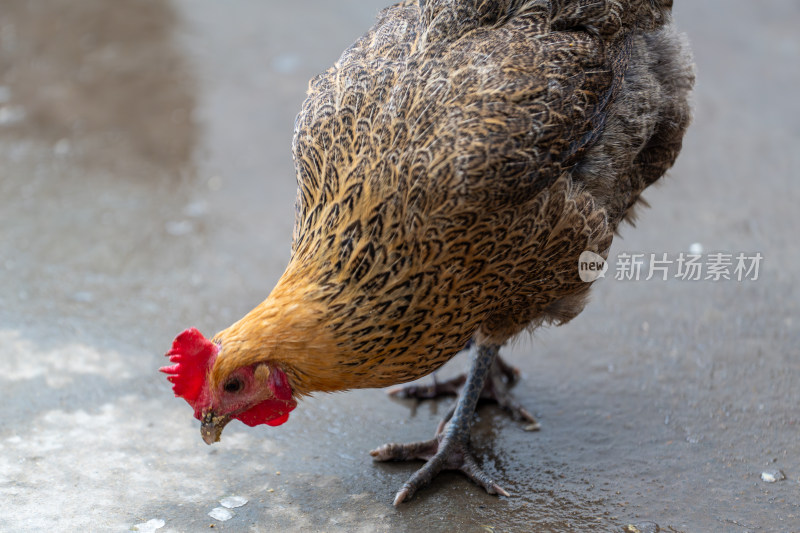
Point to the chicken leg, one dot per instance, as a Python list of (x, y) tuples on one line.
[(497, 388), (450, 448)]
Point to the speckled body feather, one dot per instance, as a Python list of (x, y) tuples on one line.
[(452, 166)]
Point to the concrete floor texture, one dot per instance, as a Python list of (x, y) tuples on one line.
[(146, 185)]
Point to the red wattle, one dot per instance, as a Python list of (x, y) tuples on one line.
[(278, 421), (270, 412)]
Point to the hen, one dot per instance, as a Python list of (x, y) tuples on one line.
[(452, 166)]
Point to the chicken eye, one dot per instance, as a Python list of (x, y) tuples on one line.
[(233, 386)]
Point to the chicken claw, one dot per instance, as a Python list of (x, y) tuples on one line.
[(502, 377), (450, 448), (441, 454), (429, 392)]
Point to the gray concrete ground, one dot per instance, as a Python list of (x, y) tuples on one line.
[(146, 186)]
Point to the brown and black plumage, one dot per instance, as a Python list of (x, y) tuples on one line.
[(451, 167)]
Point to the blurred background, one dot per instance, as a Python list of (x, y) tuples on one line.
[(146, 185)]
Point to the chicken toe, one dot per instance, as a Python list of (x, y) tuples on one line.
[(497, 388), (440, 453), (450, 448)]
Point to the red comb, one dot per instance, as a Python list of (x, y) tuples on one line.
[(193, 355)]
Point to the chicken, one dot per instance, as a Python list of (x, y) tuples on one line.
[(451, 166)]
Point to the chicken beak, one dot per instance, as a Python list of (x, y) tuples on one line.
[(211, 426)]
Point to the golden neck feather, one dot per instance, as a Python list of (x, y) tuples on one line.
[(288, 329)]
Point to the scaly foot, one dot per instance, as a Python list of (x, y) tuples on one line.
[(450, 449), (497, 388), (441, 453)]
